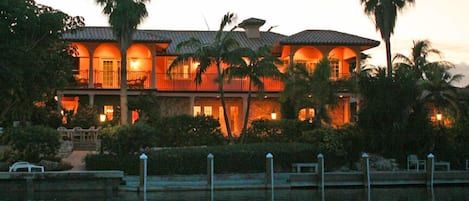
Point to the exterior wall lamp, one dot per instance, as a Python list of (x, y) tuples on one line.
[(102, 117), (439, 117), (273, 115)]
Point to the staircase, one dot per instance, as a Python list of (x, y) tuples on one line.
[(84, 146)]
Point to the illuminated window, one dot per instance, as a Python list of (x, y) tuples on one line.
[(306, 114), (135, 116), (208, 111), (335, 67), (110, 74), (109, 112), (183, 69), (197, 110), (234, 118)]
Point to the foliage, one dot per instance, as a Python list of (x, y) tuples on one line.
[(390, 117), (128, 139), (284, 130), (314, 90), (384, 13), (32, 143), (186, 130), (217, 52), (34, 60), (261, 64), (240, 158), (124, 17), (47, 115), (148, 107), (86, 117)]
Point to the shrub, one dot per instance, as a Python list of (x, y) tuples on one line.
[(275, 131), (32, 143), (127, 139), (241, 158), (86, 116), (186, 130)]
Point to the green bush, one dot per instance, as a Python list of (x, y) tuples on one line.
[(284, 130), (247, 158), (186, 130), (32, 143), (127, 139), (86, 117)]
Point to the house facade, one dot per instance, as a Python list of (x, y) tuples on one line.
[(97, 72)]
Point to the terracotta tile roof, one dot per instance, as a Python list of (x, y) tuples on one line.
[(327, 37), (266, 38), (105, 34), (308, 37)]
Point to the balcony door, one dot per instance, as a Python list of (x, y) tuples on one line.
[(111, 73)]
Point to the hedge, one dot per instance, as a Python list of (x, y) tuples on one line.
[(240, 158)]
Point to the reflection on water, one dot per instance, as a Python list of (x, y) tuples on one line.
[(449, 193)]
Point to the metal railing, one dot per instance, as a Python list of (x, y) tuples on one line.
[(175, 82)]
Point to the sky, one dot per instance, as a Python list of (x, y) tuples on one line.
[(443, 22)]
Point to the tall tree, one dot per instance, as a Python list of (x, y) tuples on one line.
[(258, 65), (314, 89), (215, 53), (124, 17), (384, 13), (418, 59), (34, 62), (437, 88)]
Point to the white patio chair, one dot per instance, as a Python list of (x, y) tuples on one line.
[(414, 163)]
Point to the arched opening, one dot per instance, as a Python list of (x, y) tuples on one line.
[(308, 56)]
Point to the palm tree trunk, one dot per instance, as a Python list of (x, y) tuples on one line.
[(318, 116), (223, 104), (388, 55), (246, 116), (123, 90)]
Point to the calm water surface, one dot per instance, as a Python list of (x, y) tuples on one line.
[(376, 194)]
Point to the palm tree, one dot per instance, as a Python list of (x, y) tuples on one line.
[(208, 54), (259, 64), (124, 17), (385, 16), (437, 88), (312, 89), (418, 59)]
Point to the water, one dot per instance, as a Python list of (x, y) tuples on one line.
[(449, 193)]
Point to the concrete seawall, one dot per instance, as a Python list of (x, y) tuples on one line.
[(110, 181), (61, 181), (293, 180)]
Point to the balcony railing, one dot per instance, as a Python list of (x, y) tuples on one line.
[(177, 82), (187, 83)]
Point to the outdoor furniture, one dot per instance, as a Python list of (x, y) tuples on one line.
[(23, 166), (444, 164), (136, 83), (414, 163), (297, 167)]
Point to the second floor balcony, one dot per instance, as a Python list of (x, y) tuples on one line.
[(163, 82)]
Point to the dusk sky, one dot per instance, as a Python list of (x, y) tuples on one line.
[(443, 22)]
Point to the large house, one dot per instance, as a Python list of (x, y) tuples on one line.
[(97, 71)]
